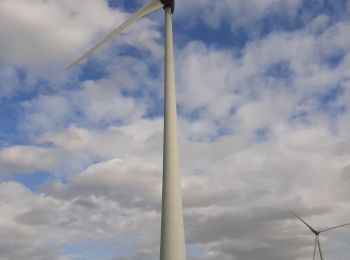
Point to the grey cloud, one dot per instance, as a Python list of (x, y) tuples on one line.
[(237, 191), (88, 203), (127, 183), (346, 172), (35, 216)]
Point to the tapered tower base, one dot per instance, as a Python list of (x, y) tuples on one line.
[(172, 245)]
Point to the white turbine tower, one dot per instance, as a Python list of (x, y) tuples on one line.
[(317, 234), (172, 245)]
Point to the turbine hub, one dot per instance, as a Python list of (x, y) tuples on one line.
[(169, 3)]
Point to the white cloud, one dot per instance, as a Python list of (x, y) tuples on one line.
[(232, 177), (23, 159), (238, 183), (236, 12), (41, 38), (95, 103), (46, 112), (52, 30), (247, 188), (215, 85)]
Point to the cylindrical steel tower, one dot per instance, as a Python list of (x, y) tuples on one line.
[(172, 245)]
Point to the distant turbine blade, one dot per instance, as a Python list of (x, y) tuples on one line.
[(316, 239), (331, 228), (319, 248), (151, 6), (311, 228)]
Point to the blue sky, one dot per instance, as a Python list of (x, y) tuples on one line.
[(263, 92)]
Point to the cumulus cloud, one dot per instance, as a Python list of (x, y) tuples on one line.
[(97, 204), (236, 13), (45, 36), (23, 159), (263, 129), (15, 200), (291, 70), (55, 30)]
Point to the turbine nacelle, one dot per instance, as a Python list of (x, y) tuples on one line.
[(169, 3)]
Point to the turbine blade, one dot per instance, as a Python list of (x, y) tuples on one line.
[(315, 246), (331, 228), (151, 6), (306, 224), (319, 248)]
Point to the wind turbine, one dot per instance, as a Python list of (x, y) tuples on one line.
[(317, 234), (172, 245)]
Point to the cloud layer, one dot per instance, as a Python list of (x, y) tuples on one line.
[(264, 129)]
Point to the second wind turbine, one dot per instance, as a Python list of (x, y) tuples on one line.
[(317, 234), (172, 246)]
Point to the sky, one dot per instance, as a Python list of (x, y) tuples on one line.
[(263, 91)]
